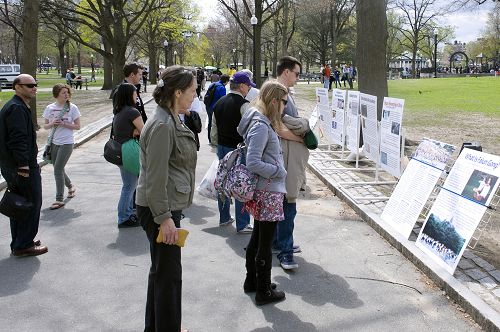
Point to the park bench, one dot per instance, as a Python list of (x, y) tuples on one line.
[(78, 82)]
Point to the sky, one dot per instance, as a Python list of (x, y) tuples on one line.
[(468, 25)]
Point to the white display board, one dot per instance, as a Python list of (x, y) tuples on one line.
[(416, 184), (352, 121), (324, 112), (459, 207), (390, 135), (368, 112), (338, 116)]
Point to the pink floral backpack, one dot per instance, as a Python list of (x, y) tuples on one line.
[(233, 179)]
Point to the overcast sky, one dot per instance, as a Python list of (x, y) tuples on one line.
[(468, 25)]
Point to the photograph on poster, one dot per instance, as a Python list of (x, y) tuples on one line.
[(440, 236), (340, 104), (364, 110), (386, 114), (433, 152), (383, 157), (479, 187), (334, 114), (354, 108), (334, 124), (395, 128)]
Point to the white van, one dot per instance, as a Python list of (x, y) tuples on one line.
[(8, 72)]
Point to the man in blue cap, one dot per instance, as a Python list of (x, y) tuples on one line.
[(227, 116)]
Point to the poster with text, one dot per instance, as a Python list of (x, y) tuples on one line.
[(416, 184), (324, 113), (338, 115), (313, 119), (368, 111), (459, 207), (352, 121), (390, 135)]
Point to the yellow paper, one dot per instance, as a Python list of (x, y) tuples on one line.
[(183, 233)]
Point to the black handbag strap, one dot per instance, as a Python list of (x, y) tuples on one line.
[(111, 133)]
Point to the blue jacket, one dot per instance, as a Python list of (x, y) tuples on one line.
[(220, 91), (264, 155)]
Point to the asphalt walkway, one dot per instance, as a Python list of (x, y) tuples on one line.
[(94, 276)]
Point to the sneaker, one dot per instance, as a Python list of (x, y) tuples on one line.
[(131, 222), (296, 249), (287, 263), (227, 223), (247, 229)]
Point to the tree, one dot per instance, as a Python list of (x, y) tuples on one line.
[(11, 15)]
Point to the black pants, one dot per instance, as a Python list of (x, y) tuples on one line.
[(163, 305), (259, 249), (24, 230)]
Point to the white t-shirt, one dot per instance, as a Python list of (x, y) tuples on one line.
[(62, 135), (252, 94)]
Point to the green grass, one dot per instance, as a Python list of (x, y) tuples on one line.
[(42, 100)]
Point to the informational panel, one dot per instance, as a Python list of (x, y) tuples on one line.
[(313, 119), (368, 111), (352, 121), (390, 135), (416, 184), (324, 112), (459, 207), (338, 116)]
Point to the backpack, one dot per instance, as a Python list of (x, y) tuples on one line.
[(209, 95), (233, 179)]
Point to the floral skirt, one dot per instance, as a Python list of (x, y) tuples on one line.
[(266, 206)]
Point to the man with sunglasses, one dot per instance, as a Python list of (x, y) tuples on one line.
[(19, 166), (295, 157)]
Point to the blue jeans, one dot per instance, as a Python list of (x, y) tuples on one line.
[(283, 238), (126, 202), (242, 216)]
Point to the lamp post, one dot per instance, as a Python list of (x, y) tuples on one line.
[(234, 58), (435, 51), (92, 62), (175, 57), (213, 59), (165, 48), (254, 22), (300, 59)]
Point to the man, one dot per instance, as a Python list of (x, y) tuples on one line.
[(254, 92), (219, 91), (133, 75), (326, 76), (288, 71), (227, 115), (19, 166)]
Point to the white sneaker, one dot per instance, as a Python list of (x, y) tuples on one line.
[(248, 229), (227, 223)]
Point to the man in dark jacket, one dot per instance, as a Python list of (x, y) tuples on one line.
[(133, 75), (19, 166), (218, 90)]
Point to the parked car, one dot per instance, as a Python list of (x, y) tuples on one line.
[(8, 72)]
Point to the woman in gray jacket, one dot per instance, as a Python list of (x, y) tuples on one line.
[(166, 185), (264, 158)]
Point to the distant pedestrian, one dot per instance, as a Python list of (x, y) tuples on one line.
[(254, 92), (166, 186), (62, 118), (264, 158), (326, 76), (133, 75), (19, 165), (127, 124), (218, 90)]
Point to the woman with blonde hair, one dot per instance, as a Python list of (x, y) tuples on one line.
[(166, 186), (264, 157)]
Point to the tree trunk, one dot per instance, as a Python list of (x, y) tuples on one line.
[(284, 35), (30, 46), (333, 35), (61, 44), (371, 46), (79, 57), (274, 56), (107, 84)]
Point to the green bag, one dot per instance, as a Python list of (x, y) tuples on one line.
[(130, 156), (310, 140)]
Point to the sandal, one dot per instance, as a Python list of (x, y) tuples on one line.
[(72, 192), (56, 205)]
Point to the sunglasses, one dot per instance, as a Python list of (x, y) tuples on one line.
[(296, 73), (29, 85), (284, 102)]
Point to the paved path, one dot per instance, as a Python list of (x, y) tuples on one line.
[(94, 275)]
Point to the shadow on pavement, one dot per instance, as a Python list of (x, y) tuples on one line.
[(16, 274), (131, 242)]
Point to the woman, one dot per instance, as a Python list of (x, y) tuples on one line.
[(61, 118), (166, 186), (127, 124), (264, 158)]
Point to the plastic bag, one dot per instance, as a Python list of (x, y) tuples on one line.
[(206, 187)]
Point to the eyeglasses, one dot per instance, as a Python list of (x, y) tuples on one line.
[(285, 101), (29, 85), (297, 73)]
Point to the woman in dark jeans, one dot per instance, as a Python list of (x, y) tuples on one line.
[(265, 158), (166, 186), (127, 124)]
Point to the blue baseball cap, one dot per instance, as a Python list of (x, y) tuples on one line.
[(241, 77)]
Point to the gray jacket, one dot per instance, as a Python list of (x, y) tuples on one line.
[(168, 163), (264, 156)]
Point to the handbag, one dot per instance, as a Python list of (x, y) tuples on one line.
[(130, 156), (47, 156), (14, 205), (113, 150), (206, 187)]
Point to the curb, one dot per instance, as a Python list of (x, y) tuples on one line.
[(473, 305)]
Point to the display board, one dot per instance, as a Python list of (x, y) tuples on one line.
[(390, 135), (416, 184), (368, 118), (459, 207), (352, 121), (324, 112), (338, 116)]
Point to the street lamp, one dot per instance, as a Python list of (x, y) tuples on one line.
[(435, 51), (213, 59), (175, 57), (253, 22), (300, 59), (92, 62), (234, 58), (165, 47)]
